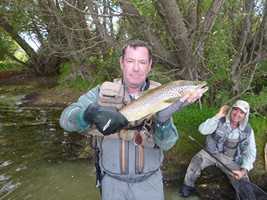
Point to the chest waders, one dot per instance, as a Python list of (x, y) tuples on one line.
[(115, 94)]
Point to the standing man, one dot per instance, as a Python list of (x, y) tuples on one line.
[(231, 139), (130, 170)]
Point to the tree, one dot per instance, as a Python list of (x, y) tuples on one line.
[(38, 62), (215, 40), (179, 32)]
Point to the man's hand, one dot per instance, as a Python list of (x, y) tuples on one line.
[(192, 97), (165, 114), (239, 174), (106, 118), (222, 112)]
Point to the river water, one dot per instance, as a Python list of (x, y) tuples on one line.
[(38, 160)]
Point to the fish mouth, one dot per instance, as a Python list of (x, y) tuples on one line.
[(202, 86), (204, 89)]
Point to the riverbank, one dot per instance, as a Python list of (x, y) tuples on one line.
[(49, 95), (212, 184)]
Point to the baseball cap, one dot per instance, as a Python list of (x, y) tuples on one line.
[(243, 105)]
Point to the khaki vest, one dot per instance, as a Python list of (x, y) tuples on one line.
[(115, 94), (218, 142)]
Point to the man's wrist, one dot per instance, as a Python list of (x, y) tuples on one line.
[(244, 170), (162, 124), (90, 112), (218, 116)]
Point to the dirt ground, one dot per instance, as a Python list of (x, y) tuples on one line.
[(209, 186), (49, 94)]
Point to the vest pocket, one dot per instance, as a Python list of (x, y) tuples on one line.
[(231, 147), (111, 93)]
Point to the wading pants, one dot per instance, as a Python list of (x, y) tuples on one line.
[(202, 160), (151, 188)]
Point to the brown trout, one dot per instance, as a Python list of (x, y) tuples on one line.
[(159, 98)]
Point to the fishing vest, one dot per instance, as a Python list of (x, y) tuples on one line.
[(121, 158), (218, 142), (115, 94)]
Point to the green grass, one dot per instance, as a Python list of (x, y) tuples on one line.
[(78, 83)]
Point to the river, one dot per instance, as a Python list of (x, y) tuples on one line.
[(38, 160)]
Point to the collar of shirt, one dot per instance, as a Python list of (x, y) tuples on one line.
[(233, 133)]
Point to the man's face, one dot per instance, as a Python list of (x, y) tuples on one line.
[(237, 115), (135, 66)]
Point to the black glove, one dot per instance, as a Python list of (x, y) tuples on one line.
[(106, 118)]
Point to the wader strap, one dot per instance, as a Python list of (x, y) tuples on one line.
[(123, 155), (99, 175), (140, 161), (132, 180)]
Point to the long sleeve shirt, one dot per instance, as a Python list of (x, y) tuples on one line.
[(72, 120), (249, 156)]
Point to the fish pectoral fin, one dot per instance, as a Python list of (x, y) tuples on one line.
[(138, 122), (147, 117), (171, 101)]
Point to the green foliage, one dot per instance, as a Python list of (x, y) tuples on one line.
[(10, 66), (220, 50), (257, 101), (220, 53), (259, 124), (8, 44), (222, 95), (21, 55), (101, 70), (144, 6), (107, 69), (78, 82), (159, 74), (219, 56), (19, 19), (65, 70), (191, 116), (187, 122)]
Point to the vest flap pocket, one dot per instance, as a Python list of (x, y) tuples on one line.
[(231, 146), (111, 93)]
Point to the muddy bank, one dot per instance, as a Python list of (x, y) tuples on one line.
[(48, 94), (211, 185)]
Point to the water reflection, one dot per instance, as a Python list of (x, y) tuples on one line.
[(39, 161), (68, 180)]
